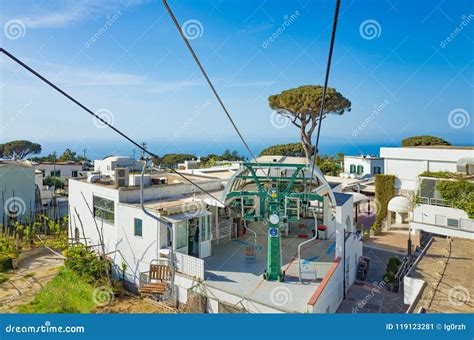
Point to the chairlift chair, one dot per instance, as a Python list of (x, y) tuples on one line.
[(157, 280)]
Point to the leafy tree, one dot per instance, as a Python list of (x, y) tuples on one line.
[(460, 193), (69, 155), (175, 158), (289, 150), (19, 149), (53, 182), (212, 159), (302, 105), (423, 141)]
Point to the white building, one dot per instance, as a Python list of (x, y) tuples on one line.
[(17, 190), (108, 165), (419, 199), (365, 165), (406, 163), (210, 240), (63, 170)]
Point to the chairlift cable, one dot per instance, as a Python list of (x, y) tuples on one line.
[(204, 73), (82, 106), (328, 69)]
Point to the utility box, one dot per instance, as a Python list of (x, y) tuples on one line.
[(322, 232)]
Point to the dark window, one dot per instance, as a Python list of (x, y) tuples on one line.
[(104, 209), (377, 170), (74, 173), (55, 173), (137, 230), (360, 169), (352, 169)]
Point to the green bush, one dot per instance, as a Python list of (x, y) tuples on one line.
[(389, 277), (6, 263), (424, 140), (66, 293), (384, 191), (460, 193), (86, 263), (393, 264)]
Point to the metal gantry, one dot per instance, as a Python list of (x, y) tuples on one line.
[(275, 199)]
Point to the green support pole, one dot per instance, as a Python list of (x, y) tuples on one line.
[(273, 271)]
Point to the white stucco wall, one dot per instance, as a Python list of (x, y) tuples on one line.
[(66, 169), (17, 181), (367, 163), (407, 163)]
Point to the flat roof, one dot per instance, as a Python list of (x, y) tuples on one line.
[(446, 268), (12, 162), (229, 270)]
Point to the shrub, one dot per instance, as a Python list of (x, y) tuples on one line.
[(384, 191), (393, 264), (86, 263), (460, 193), (389, 277), (6, 263)]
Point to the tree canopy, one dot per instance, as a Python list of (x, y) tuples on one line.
[(175, 158), (302, 106), (289, 150), (424, 140), (19, 149)]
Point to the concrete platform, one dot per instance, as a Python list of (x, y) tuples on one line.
[(230, 270)]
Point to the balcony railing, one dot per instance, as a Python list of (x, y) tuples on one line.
[(462, 224), (435, 201)]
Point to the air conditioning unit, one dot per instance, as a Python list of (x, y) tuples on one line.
[(121, 177)]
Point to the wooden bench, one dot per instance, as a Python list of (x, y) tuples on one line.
[(250, 251)]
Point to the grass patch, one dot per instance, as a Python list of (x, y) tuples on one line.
[(29, 275), (66, 293), (3, 278)]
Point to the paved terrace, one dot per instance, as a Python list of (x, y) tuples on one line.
[(447, 270), (228, 269)]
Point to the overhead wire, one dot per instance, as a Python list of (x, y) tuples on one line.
[(213, 89), (85, 108), (326, 79)]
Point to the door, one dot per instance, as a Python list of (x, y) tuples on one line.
[(193, 236), (181, 237), (205, 238)]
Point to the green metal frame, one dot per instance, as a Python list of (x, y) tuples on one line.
[(272, 200)]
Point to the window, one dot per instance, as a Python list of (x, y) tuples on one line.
[(43, 172), (55, 173), (352, 169), (360, 169), (377, 170), (137, 227), (74, 173), (104, 209), (181, 234)]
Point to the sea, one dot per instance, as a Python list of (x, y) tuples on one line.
[(104, 148)]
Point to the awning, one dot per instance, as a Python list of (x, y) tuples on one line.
[(185, 216), (213, 202), (399, 204)]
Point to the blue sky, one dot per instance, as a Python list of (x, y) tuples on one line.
[(392, 59)]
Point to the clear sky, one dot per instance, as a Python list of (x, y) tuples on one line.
[(406, 66)]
